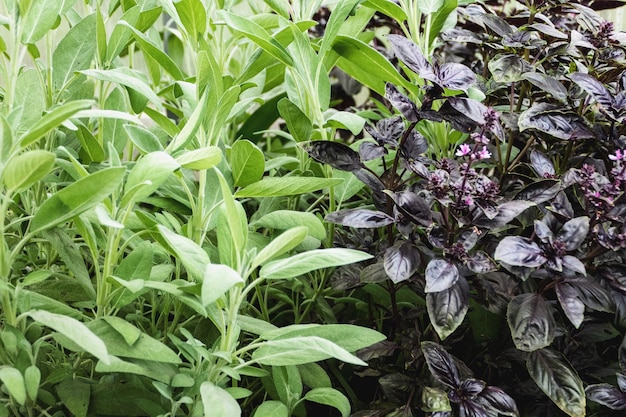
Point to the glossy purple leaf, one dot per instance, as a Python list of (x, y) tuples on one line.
[(473, 109), (519, 251), (471, 387), (455, 76), (508, 68), (540, 191), (447, 308), (468, 408), (607, 395), (592, 294), (401, 102), (507, 212), (440, 275), (574, 232), (457, 119), (573, 308), (441, 364), (414, 146), (551, 120), (496, 399), (594, 88), (621, 382), (335, 154), (480, 263), (387, 130), (574, 264), (360, 218), (413, 206), (558, 380), (371, 150), (409, 53), (548, 84), (401, 261), (497, 24), (369, 179), (543, 232), (531, 322), (542, 164)]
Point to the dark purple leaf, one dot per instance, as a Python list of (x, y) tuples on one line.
[(594, 88), (395, 386), (496, 399), (473, 109), (401, 102), (497, 24), (431, 115), (519, 251), (371, 150), (540, 191), (458, 120), (471, 387), (531, 322), (409, 53), (447, 308), (359, 218), (401, 261), (480, 263), (548, 84), (441, 364), (507, 212), (621, 382), (542, 164), (574, 232), (592, 294), (557, 380), (455, 76), (549, 119), (607, 395), (387, 130), (468, 408), (543, 232), (419, 168), (440, 275), (369, 179), (335, 154), (413, 206), (572, 306), (468, 238), (549, 30), (377, 350), (562, 206), (573, 264), (414, 146), (460, 35), (621, 353), (441, 414), (508, 68)]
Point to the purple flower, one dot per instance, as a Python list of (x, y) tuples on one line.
[(618, 156), (480, 138), (484, 153), (463, 150)]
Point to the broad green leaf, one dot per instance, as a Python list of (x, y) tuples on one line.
[(74, 330), (75, 51), (287, 219), (347, 336), (193, 17), (199, 159), (129, 332), (30, 300), (337, 19), (314, 376), (378, 70), (76, 198), (40, 18), (330, 397), (159, 371), (75, 395), (191, 127), (128, 78), (52, 120), (442, 18), (26, 169), (302, 263), (30, 96), (301, 350), (271, 408), (217, 402), (281, 244), (155, 52), (429, 6), (389, 8), (288, 384), (232, 227), (91, 149), (247, 162), (32, 379), (257, 34), (558, 380), (254, 325), (6, 139), (152, 170), (121, 34), (115, 338), (297, 122), (142, 138), (282, 186), (346, 120), (192, 256), (218, 279), (13, 380)]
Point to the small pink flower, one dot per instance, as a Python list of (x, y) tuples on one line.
[(619, 156), (480, 138), (484, 153), (463, 150), (468, 200)]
